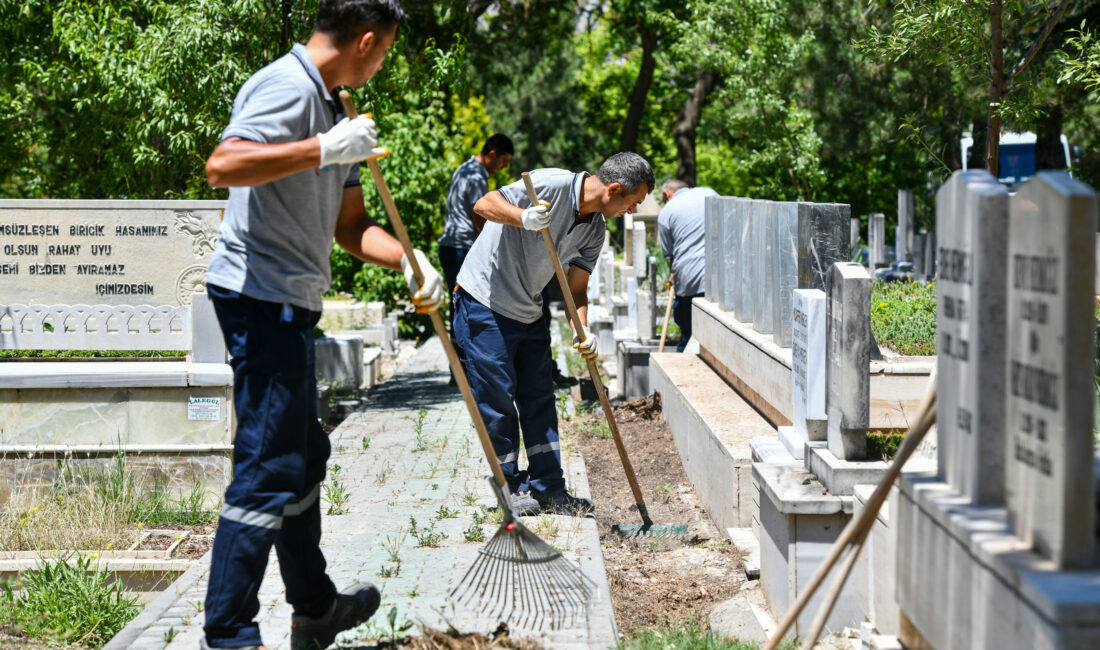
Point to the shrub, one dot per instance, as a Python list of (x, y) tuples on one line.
[(903, 317)]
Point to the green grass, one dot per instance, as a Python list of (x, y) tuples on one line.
[(69, 603), (686, 635), (884, 444), (88, 354), (903, 317)]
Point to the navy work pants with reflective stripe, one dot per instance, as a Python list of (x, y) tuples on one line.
[(279, 457), (508, 364)]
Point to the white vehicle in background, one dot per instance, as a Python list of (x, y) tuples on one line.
[(1017, 156)]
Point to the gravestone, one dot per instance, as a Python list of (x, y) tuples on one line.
[(808, 363), (853, 233), (919, 242), (876, 240), (711, 255), (903, 237), (631, 300), (607, 259), (628, 238), (105, 252), (1050, 391), (594, 282), (821, 241), (930, 256), (784, 268), (640, 254), (744, 304), (849, 359), (972, 219), (765, 293), (725, 213)]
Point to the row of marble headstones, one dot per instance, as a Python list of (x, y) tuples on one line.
[(759, 252), (617, 293), (915, 253)]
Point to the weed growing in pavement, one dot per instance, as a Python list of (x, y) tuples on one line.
[(413, 593), (689, 634), (667, 490), (63, 602), (366, 443), (427, 537), (446, 513), (335, 493), (563, 400), (546, 526), (435, 486), (496, 516), (389, 571), (474, 533), (421, 443), (470, 498), (169, 635), (454, 471), (392, 546), (481, 516)]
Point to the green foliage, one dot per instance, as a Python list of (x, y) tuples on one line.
[(689, 634), (85, 354), (1080, 60), (69, 603), (903, 317), (426, 536), (884, 444), (474, 533), (335, 493)]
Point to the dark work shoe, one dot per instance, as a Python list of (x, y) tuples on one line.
[(563, 503), (563, 381), (523, 504), (203, 645), (353, 606)]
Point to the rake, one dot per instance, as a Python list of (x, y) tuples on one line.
[(517, 577), (647, 528)]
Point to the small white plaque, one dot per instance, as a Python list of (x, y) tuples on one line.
[(206, 409)]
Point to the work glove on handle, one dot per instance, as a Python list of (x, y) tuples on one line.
[(427, 296), (587, 346), (537, 216), (350, 141)]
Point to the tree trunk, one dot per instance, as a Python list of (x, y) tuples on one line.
[(633, 121), (687, 123), (1048, 144), (996, 90)]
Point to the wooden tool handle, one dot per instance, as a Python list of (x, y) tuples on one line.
[(578, 329), (668, 312), (437, 320)]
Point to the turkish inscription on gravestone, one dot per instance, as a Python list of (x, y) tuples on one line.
[(808, 363), (1049, 475), (972, 219), (105, 252)]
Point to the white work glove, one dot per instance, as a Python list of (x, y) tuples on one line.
[(536, 217), (426, 297), (588, 347), (349, 142)]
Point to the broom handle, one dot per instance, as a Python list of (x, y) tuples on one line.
[(575, 321), (668, 312), (858, 527), (437, 320)]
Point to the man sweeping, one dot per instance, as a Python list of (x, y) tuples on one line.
[(680, 227), (498, 322), (291, 161)]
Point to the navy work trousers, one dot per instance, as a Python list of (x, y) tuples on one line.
[(681, 313), (279, 457), (508, 364)]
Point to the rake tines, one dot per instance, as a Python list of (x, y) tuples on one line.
[(519, 578)]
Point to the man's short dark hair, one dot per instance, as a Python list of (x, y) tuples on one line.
[(629, 170), (499, 143), (343, 20)]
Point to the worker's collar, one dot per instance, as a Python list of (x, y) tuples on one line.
[(575, 195), (299, 51)]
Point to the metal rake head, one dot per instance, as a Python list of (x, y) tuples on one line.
[(650, 530), (521, 579)]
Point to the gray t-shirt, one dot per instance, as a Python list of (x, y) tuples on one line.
[(275, 240), (680, 227), (469, 183), (508, 266)]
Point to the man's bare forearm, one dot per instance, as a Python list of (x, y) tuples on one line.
[(237, 162)]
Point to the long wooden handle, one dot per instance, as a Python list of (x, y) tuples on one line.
[(668, 313), (857, 528), (578, 329), (437, 320)]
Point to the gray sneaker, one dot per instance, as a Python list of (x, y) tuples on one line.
[(523, 504), (353, 606), (563, 503)]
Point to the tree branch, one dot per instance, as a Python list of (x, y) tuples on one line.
[(1038, 44)]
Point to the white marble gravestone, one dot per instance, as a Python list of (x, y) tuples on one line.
[(876, 240), (105, 252), (853, 232), (725, 207), (972, 219), (744, 305), (1049, 467), (849, 360), (808, 363), (765, 289), (640, 253), (784, 268), (711, 254), (903, 236)]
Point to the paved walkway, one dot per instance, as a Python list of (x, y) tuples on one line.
[(393, 475)]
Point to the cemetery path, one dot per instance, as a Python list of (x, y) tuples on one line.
[(408, 453)]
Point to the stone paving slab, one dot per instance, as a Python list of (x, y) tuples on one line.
[(401, 476)]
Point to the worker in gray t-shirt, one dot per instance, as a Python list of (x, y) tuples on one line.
[(290, 159), (501, 333), (680, 229)]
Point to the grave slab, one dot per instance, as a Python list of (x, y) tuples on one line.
[(876, 240), (841, 476), (764, 296), (784, 268), (849, 356), (903, 238), (808, 360), (822, 240), (731, 216), (745, 306)]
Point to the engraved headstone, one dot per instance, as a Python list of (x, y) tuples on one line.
[(744, 304), (930, 256), (640, 256), (919, 242), (784, 268), (729, 213), (105, 252), (876, 240), (1049, 471), (853, 233), (822, 241), (972, 219), (849, 359), (808, 363), (764, 296), (903, 238), (628, 239), (711, 256)]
